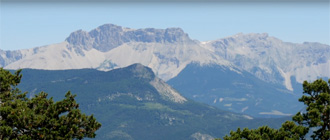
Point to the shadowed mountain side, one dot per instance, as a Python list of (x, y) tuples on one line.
[(132, 103), (235, 90)]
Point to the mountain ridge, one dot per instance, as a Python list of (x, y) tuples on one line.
[(167, 57), (168, 51), (271, 59), (109, 36), (130, 107)]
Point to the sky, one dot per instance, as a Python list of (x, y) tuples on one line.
[(27, 25)]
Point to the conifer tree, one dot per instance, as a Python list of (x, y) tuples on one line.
[(317, 115), (40, 117)]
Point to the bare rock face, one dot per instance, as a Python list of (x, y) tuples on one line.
[(110, 36), (273, 60), (107, 37), (80, 38), (175, 35), (7, 57), (141, 71), (165, 90)]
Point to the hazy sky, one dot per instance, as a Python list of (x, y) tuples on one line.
[(27, 25)]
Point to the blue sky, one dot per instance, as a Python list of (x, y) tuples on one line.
[(27, 25)]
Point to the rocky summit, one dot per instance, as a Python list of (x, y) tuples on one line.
[(109, 36)]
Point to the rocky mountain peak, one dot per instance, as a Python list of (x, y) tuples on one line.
[(109, 36), (109, 26), (141, 71), (175, 35), (166, 92), (79, 38)]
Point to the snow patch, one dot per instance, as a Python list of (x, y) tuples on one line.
[(215, 101), (235, 99), (228, 105), (245, 108), (275, 112), (248, 117)]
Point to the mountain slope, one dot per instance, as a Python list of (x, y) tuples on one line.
[(7, 57), (131, 103), (239, 92), (273, 60)]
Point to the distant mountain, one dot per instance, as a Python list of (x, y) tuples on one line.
[(7, 57), (132, 103), (166, 51), (235, 90), (273, 60), (109, 36)]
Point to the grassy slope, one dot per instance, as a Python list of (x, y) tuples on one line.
[(125, 117)]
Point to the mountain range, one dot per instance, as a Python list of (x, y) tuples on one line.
[(133, 103), (267, 61), (109, 46)]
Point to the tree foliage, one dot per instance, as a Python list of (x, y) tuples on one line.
[(288, 131), (316, 115), (318, 109), (40, 117)]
